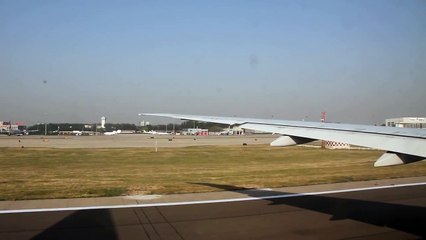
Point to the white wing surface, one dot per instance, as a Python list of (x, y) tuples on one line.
[(403, 145)]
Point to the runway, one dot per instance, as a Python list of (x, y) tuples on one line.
[(131, 140), (385, 212)]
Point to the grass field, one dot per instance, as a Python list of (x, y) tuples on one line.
[(27, 173)]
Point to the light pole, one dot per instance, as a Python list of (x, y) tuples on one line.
[(45, 123)]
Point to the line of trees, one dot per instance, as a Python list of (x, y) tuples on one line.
[(54, 128)]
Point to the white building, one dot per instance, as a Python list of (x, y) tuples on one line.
[(195, 131), (407, 122), (9, 127), (144, 123)]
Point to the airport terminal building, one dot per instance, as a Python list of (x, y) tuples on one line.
[(407, 122)]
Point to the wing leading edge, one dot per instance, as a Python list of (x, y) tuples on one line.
[(403, 145)]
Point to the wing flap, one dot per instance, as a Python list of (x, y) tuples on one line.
[(407, 145)]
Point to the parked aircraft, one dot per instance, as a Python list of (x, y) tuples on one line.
[(77, 133), (112, 133), (155, 132), (403, 145)]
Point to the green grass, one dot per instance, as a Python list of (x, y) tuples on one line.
[(27, 173)]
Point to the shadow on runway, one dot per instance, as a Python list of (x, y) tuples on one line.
[(99, 224), (93, 224), (410, 219)]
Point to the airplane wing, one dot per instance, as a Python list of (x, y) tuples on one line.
[(403, 145)]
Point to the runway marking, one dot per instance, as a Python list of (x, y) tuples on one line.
[(209, 201)]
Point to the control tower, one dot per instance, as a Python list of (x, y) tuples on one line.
[(103, 121)]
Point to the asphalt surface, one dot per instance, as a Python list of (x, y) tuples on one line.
[(388, 213), (131, 140)]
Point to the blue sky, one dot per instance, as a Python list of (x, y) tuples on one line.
[(75, 61)]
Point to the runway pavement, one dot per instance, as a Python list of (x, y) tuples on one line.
[(131, 140), (388, 209)]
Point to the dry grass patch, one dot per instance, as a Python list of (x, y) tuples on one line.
[(68, 173)]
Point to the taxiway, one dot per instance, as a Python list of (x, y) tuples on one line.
[(383, 209)]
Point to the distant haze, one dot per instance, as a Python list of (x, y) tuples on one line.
[(76, 61)]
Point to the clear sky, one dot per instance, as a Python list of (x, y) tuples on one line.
[(75, 61)]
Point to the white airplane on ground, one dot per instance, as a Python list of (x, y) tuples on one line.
[(112, 133), (77, 133), (403, 145), (155, 132)]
